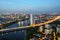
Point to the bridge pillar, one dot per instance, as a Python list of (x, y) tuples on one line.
[(20, 23)]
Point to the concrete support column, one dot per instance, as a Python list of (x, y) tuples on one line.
[(22, 23), (19, 23)]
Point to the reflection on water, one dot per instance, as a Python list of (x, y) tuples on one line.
[(19, 35)]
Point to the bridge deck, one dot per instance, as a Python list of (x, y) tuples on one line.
[(33, 25), (14, 28), (10, 22)]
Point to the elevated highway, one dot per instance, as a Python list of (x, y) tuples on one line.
[(31, 26), (11, 22)]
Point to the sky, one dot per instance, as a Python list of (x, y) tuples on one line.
[(29, 4)]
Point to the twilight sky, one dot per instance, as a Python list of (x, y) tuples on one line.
[(29, 4)]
